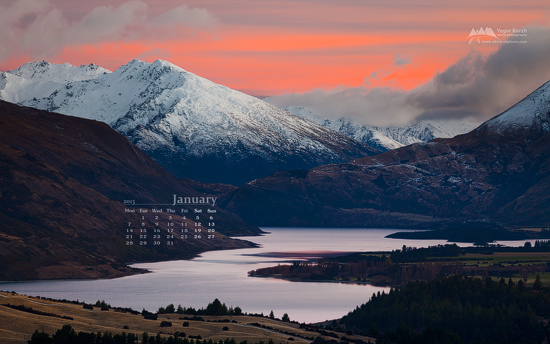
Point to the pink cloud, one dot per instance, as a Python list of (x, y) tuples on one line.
[(261, 47)]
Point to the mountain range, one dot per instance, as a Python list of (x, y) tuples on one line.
[(62, 183), (390, 137), (62, 178), (495, 175), (191, 126)]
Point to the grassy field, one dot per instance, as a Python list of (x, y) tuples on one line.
[(398, 267), (503, 258), (531, 263), (16, 326)]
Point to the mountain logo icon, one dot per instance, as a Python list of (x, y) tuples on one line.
[(481, 33)]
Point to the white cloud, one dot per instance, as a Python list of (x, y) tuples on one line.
[(39, 29)]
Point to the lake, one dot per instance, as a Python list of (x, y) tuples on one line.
[(223, 275)]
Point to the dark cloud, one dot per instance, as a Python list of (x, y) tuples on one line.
[(399, 60), (485, 86), (476, 87), (375, 106)]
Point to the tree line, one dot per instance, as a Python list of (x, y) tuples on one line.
[(67, 335), (214, 308)]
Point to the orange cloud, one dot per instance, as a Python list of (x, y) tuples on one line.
[(266, 48), (474, 86)]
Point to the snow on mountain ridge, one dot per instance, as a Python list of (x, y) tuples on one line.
[(37, 79), (183, 97), (109, 96), (391, 137), (43, 70), (427, 130), (184, 120), (536, 106)]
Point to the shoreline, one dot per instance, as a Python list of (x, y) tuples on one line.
[(66, 270)]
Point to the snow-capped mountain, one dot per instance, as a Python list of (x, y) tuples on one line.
[(192, 126), (533, 110), (427, 130), (497, 174), (368, 135), (391, 137)]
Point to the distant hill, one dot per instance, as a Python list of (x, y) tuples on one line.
[(496, 174), (62, 182)]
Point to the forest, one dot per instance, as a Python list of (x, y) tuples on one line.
[(455, 309)]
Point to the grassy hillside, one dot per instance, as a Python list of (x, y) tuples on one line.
[(18, 325)]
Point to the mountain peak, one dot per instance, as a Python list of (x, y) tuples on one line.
[(156, 63), (531, 110), (150, 71), (164, 63), (134, 64)]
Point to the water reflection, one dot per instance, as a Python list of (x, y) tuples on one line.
[(224, 275)]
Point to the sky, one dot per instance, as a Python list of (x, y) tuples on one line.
[(378, 62)]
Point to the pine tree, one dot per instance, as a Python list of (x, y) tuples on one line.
[(538, 284), (286, 317)]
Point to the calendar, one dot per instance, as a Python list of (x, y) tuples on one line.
[(183, 218)]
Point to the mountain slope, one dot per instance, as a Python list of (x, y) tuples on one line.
[(496, 173), (62, 181), (190, 125), (391, 137)]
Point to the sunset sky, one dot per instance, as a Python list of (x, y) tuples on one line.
[(379, 62)]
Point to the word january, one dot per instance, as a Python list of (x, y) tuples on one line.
[(194, 200)]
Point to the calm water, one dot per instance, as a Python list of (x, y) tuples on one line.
[(223, 275)]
